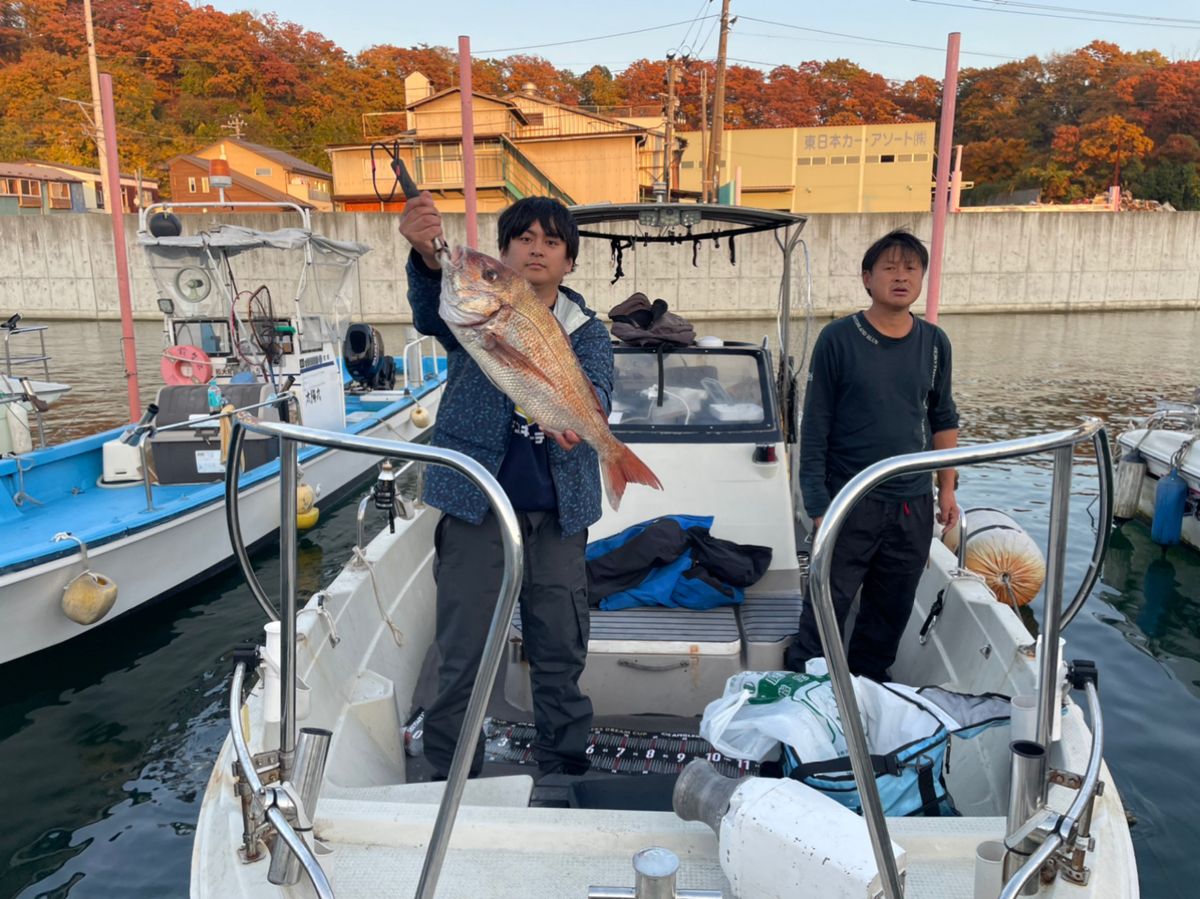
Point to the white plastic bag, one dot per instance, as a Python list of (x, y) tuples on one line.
[(759, 710)]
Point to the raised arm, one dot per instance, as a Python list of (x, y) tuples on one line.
[(419, 225)]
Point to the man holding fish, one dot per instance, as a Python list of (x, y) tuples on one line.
[(527, 361)]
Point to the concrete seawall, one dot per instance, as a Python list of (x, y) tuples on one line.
[(62, 266)]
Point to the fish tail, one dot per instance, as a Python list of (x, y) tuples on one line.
[(622, 468)]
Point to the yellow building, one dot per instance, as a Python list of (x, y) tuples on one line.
[(524, 145), (853, 168)]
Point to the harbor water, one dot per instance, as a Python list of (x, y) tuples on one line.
[(106, 744)]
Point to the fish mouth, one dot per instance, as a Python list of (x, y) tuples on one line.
[(457, 255), (454, 314)]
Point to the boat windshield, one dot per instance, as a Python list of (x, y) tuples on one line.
[(702, 390)]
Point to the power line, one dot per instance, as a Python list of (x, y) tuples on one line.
[(684, 46), (872, 40), (584, 40), (708, 37), (851, 41), (787, 65), (1046, 15), (1096, 12)]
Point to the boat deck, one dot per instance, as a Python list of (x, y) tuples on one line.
[(63, 491), (380, 847)]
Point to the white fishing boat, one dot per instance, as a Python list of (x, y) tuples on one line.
[(94, 528), (1167, 441), (23, 400), (312, 793), (46, 391)]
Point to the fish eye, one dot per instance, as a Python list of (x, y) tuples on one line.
[(490, 275)]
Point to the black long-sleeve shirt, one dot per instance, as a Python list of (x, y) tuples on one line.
[(869, 397)]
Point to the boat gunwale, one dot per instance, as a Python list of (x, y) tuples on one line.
[(204, 495)]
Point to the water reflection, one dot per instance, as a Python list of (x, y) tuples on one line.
[(1157, 589), (1117, 561)]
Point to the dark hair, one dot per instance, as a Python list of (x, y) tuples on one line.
[(553, 216), (902, 239)]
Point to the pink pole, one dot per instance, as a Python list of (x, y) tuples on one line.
[(468, 129), (941, 193), (113, 188)]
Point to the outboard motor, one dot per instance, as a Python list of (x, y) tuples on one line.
[(365, 359)]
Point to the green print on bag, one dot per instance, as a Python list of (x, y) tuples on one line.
[(779, 685)]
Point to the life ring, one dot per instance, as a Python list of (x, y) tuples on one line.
[(184, 365)]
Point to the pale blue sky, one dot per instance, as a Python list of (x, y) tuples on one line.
[(988, 36)]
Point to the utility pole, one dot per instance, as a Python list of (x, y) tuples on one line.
[(704, 135), (712, 167), (97, 121), (234, 123), (669, 113)]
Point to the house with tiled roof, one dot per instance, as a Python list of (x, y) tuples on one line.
[(34, 190), (259, 173), (136, 191), (525, 144)]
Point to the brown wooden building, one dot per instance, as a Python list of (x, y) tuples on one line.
[(190, 184), (259, 173)]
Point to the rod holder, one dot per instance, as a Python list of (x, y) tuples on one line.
[(312, 749), (1026, 785)]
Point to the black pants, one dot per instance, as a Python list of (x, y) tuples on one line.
[(882, 547), (554, 618)]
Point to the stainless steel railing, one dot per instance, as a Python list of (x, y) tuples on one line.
[(145, 212), (1104, 524), (510, 587), (414, 375), (1062, 444), (271, 800), (143, 433), (1079, 813)]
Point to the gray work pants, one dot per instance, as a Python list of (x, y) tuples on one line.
[(554, 619)]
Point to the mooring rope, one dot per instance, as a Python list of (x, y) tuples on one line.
[(397, 634)]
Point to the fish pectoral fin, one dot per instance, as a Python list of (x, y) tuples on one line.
[(509, 355)]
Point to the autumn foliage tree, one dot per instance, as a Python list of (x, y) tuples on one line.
[(1071, 123), (1096, 152)]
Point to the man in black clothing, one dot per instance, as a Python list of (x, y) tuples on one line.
[(878, 386)]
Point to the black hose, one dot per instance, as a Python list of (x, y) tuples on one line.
[(233, 522)]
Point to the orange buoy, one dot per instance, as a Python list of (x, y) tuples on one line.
[(185, 364), (1002, 553)]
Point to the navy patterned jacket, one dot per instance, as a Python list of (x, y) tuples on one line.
[(476, 419)]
